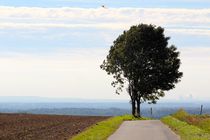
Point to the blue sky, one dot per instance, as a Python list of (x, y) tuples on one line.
[(53, 48), (110, 3)]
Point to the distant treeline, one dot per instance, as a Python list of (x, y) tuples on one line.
[(157, 112)]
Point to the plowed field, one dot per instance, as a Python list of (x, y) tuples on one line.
[(43, 127)]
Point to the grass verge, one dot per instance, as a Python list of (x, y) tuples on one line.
[(185, 130), (201, 121), (102, 130)]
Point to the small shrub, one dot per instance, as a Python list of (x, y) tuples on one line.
[(181, 114)]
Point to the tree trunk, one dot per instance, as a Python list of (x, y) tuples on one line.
[(133, 108), (138, 108)]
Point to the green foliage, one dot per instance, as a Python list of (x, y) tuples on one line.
[(185, 130), (141, 56), (102, 130)]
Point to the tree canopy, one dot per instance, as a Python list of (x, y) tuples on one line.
[(142, 58)]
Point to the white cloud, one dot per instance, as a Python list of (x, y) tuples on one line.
[(197, 32), (180, 20), (115, 26)]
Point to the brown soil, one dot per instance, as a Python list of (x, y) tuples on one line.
[(43, 127)]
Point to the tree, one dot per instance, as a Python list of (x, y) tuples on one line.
[(142, 59)]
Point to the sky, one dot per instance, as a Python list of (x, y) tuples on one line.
[(53, 48)]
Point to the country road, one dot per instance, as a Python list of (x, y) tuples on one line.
[(143, 130)]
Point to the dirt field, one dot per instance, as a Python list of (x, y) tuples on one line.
[(43, 127)]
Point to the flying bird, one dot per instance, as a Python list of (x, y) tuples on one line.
[(103, 6)]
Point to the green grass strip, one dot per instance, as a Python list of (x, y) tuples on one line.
[(201, 121), (102, 130), (186, 131)]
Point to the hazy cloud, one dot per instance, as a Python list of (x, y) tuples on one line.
[(181, 20), (76, 73)]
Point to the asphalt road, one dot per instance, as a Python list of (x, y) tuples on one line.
[(143, 130)]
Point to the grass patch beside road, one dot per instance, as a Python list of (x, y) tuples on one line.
[(185, 130), (201, 121), (102, 130)]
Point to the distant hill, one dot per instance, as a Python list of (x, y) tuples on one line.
[(40, 105), (99, 109), (36, 99)]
